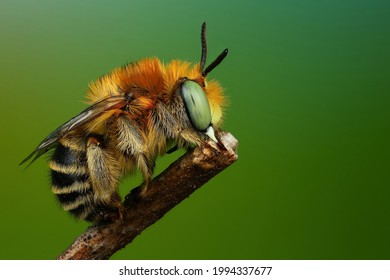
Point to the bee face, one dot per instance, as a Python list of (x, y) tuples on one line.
[(137, 112)]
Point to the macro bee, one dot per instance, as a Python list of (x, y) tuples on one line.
[(138, 111)]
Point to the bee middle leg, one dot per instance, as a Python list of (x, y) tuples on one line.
[(132, 142), (146, 166)]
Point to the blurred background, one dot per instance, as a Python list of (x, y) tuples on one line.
[(308, 84)]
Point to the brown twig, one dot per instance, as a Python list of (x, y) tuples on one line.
[(168, 189)]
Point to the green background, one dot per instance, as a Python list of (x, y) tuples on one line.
[(308, 86)]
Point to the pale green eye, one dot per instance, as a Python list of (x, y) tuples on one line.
[(197, 105)]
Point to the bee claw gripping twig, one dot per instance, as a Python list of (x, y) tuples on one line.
[(168, 189)]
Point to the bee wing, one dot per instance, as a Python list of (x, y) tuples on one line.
[(92, 112)]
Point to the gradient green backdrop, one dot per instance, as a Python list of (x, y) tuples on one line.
[(308, 85)]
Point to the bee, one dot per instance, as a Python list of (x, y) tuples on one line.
[(137, 112)]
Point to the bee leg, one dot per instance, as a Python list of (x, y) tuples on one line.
[(132, 142), (103, 174), (108, 213), (146, 166)]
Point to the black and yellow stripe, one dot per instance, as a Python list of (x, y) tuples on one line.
[(84, 190), (70, 180)]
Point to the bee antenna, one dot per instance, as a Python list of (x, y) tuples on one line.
[(204, 47), (215, 63)]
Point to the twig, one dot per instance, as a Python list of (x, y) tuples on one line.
[(142, 209)]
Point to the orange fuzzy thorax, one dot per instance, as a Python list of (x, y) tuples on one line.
[(155, 81)]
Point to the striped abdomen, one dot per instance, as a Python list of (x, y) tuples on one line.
[(72, 184)]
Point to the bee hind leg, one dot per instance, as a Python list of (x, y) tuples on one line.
[(107, 213), (103, 173)]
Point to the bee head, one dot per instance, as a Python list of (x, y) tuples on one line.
[(194, 96)]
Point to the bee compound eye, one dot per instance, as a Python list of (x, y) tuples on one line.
[(197, 104)]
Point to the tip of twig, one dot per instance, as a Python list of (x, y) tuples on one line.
[(227, 144), (230, 143)]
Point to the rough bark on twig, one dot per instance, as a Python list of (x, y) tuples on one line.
[(168, 189)]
